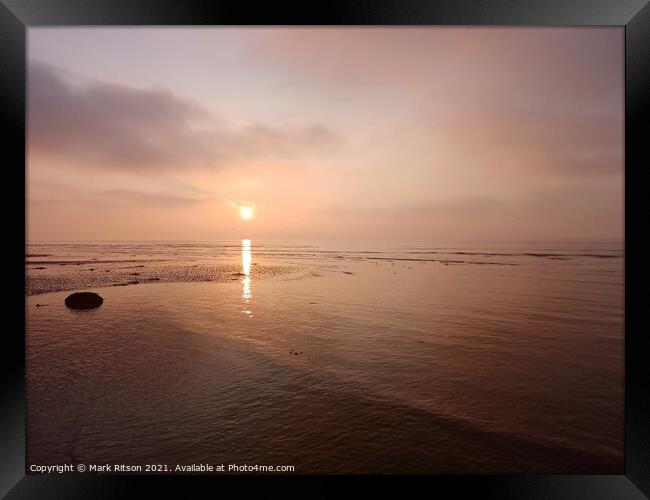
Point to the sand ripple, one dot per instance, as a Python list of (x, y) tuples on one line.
[(55, 279)]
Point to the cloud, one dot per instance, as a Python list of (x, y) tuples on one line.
[(51, 194), (149, 199), (102, 124), (563, 145), (466, 61), (566, 213), (504, 101)]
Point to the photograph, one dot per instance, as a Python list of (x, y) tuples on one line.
[(352, 250)]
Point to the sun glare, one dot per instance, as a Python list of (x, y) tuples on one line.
[(246, 212)]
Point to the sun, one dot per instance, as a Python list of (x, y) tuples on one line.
[(246, 212)]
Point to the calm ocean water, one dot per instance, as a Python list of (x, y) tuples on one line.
[(334, 358)]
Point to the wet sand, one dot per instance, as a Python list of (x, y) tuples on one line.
[(340, 366)]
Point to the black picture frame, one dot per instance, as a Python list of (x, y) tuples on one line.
[(18, 15)]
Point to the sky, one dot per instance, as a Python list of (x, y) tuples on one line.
[(395, 134)]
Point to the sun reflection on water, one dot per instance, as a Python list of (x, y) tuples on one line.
[(246, 259)]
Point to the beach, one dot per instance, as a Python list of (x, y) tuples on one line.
[(347, 358)]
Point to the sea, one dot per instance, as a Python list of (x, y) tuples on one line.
[(330, 357)]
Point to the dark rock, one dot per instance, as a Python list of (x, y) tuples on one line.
[(134, 274), (41, 305), (83, 300), (40, 267)]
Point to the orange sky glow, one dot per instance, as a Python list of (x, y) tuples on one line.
[(414, 134)]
